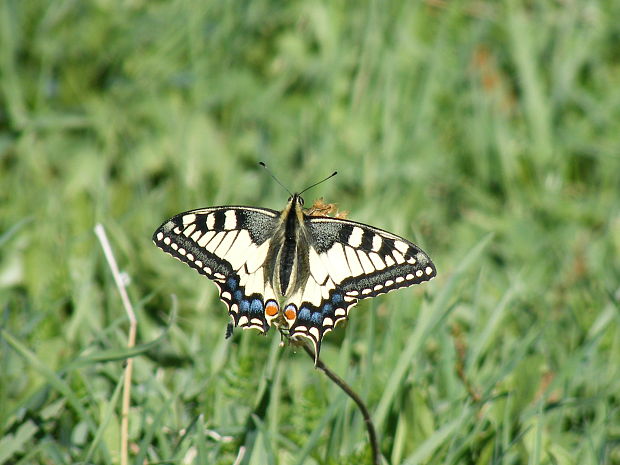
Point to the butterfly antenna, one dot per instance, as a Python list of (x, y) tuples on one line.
[(274, 177), (317, 183)]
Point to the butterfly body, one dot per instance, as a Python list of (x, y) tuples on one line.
[(297, 272)]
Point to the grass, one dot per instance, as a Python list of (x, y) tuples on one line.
[(487, 132)]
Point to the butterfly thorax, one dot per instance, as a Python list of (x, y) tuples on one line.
[(288, 252)]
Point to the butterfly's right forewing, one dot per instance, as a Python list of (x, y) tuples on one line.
[(229, 246)]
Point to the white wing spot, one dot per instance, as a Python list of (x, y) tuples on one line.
[(160, 236), (218, 275), (204, 240), (240, 250), (329, 285), (226, 295), (378, 287), (353, 293), (401, 246), (376, 260), (312, 293), (167, 241), (376, 242), (190, 257), (207, 270), (226, 244), (189, 219), (429, 270), (419, 273), (230, 219), (366, 263), (174, 246), (399, 279), (255, 282), (257, 257), (411, 260), (302, 328), (257, 321), (327, 321), (315, 332), (177, 230), (317, 269), (210, 221), (243, 320), (215, 241), (355, 239), (398, 256), (189, 230), (389, 282), (234, 308), (340, 312), (182, 251), (349, 299), (198, 263), (409, 277), (337, 263), (354, 263), (366, 291)]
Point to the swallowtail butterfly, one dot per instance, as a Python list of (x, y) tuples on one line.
[(298, 272)]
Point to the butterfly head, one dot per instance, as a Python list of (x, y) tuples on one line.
[(296, 199), (295, 205)]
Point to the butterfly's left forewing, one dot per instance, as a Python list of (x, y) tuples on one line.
[(349, 261), (228, 245)]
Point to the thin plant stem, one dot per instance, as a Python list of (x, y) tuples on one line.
[(341, 383), (131, 339), (240, 456)]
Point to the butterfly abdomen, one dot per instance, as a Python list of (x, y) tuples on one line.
[(288, 251)]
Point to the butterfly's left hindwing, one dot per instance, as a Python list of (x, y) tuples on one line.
[(349, 261), (228, 245)]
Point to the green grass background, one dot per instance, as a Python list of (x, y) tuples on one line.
[(488, 132)]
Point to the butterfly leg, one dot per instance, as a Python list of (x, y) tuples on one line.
[(229, 329)]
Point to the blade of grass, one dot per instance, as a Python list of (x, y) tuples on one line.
[(336, 406), (131, 339), (55, 382), (372, 433), (439, 437), (105, 421), (428, 321), (490, 328), (267, 441)]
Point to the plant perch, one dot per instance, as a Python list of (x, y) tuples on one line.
[(341, 383)]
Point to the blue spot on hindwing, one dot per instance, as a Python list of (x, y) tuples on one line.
[(238, 295), (337, 298), (304, 314), (317, 318), (256, 306), (244, 306), (232, 284), (327, 308)]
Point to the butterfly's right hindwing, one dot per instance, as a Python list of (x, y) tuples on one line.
[(228, 245)]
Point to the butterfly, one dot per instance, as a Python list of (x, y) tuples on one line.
[(288, 269)]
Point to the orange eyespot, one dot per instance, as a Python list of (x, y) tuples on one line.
[(290, 313), (271, 309)]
